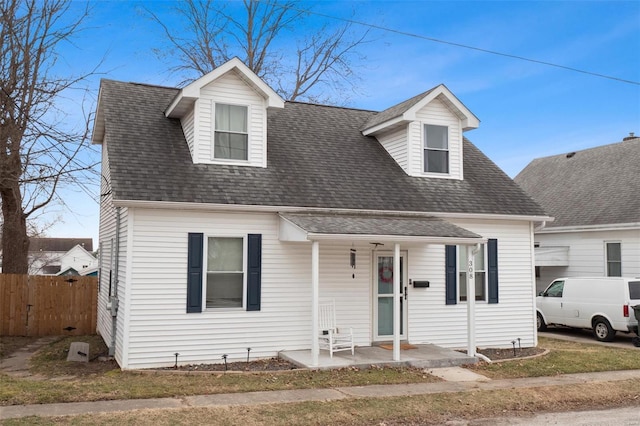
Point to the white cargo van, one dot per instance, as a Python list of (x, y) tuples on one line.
[(603, 304)]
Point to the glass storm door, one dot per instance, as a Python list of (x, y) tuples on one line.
[(383, 300)]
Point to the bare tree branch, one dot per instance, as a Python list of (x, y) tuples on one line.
[(255, 32), (38, 153)]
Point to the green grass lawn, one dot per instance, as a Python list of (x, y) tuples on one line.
[(60, 381), (565, 357)]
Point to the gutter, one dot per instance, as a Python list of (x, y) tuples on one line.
[(178, 205)]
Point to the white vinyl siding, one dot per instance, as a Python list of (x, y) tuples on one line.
[(587, 254), (107, 237), (395, 143), (159, 325), (231, 90), (431, 321), (435, 113), (188, 128)]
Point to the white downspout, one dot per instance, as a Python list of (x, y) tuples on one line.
[(396, 302), (315, 294), (114, 301), (541, 226), (471, 300)]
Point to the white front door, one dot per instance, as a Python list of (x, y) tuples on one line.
[(383, 297)]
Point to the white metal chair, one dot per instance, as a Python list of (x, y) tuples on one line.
[(332, 337)]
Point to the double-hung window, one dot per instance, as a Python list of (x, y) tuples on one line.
[(436, 149), (614, 259), (225, 272), (231, 135), (480, 273), (486, 272)]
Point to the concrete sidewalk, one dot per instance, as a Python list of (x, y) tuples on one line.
[(460, 382)]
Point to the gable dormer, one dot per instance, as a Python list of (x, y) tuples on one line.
[(424, 134), (224, 116)]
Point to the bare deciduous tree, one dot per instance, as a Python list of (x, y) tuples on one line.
[(38, 153), (317, 68)]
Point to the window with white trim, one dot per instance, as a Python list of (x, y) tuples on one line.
[(225, 272), (480, 273), (436, 149), (231, 134), (613, 252)]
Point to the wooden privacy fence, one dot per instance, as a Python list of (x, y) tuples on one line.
[(42, 305)]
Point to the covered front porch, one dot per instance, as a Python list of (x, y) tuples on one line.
[(387, 292), (421, 356)]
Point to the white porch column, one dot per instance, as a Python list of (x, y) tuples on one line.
[(315, 295), (396, 302), (471, 299)]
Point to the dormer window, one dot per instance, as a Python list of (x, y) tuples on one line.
[(231, 135), (436, 149)]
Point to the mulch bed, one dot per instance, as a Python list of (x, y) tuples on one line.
[(277, 364), (271, 364), (502, 354)]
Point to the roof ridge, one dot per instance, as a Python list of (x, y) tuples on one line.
[(593, 148), (137, 83), (331, 106)]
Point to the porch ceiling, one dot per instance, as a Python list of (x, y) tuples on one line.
[(332, 226)]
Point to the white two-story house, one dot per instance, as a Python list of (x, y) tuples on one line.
[(229, 214)]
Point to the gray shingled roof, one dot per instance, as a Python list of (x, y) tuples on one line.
[(394, 111), (317, 157), (595, 186), (377, 225)]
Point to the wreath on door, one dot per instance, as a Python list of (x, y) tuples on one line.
[(385, 274)]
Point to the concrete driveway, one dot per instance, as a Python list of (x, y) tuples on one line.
[(622, 340)]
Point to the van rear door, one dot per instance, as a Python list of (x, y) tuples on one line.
[(634, 298)]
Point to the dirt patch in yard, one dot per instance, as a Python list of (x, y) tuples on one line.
[(505, 354), (11, 344)]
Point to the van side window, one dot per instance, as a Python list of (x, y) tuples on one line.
[(555, 289), (634, 289)]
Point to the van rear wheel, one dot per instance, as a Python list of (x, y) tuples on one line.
[(602, 330)]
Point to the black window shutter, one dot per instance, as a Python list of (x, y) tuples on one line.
[(194, 273), (451, 283), (254, 273), (492, 249)]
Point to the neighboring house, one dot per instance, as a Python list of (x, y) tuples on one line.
[(227, 215), (594, 196), (78, 261), (47, 256)]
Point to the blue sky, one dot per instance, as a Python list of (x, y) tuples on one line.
[(527, 110)]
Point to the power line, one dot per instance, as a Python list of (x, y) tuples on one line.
[(464, 46)]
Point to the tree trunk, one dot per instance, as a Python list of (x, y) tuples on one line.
[(15, 243)]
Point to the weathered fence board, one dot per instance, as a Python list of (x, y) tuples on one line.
[(42, 305)]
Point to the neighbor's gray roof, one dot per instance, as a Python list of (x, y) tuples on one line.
[(360, 224), (59, 244), (317, 157), (595, 186)]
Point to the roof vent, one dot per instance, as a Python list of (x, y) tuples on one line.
[(630, 137), (571, 154)]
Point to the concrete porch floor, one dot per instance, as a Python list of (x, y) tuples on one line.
[(422, 356)]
